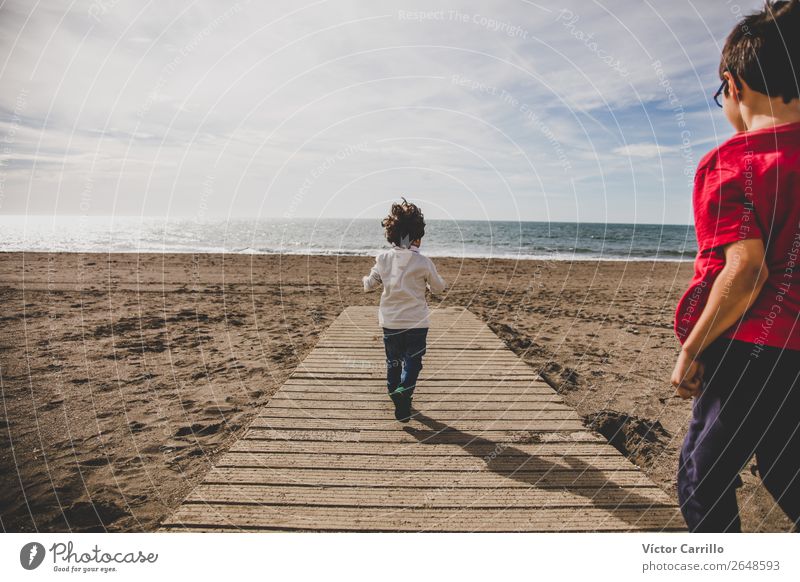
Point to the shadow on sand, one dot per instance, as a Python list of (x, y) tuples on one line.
[(504, 459)]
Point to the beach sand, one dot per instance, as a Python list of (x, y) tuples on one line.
[(125, 376)]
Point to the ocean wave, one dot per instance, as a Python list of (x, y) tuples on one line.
[(661, 257), (335, 237)]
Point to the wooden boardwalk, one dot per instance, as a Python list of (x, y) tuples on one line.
[(491, 448)]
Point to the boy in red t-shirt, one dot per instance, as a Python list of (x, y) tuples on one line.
[(739, 321)]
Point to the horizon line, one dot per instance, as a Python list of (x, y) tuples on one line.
[(190, 217)]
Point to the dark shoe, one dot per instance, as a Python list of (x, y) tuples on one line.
[(402, 404)]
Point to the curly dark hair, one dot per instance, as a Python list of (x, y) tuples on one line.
[(405, 221), (764, 50)]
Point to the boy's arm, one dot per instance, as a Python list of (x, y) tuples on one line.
[(373, 280), (733, 292), (435, 281)]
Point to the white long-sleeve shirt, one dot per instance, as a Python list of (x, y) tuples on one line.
[(405, 275)]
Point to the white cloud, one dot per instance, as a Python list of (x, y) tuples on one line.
[(144, 102), (645, 150)]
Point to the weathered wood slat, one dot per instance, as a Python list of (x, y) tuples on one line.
[(431, 437), (461, 425), (460, 378), (422, 451), (381, 404), (323, 400), (467, 368), (433, 387), (380, 414), (443, 399), (491, 447), (585, 477), (429, 363), (502, 463), (377, 350), (451, 372), (646, 497), (511, 519)]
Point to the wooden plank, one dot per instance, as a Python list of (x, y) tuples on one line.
[(502, 463), (420, 450), (452, 345), (454, 371), (645, 497), (430, 392), (369, 386), (460, 426), (428, 405), (513, 519), (480, 386), (431, 437), (365, 336), (584, 478), (436, 358), (445, 399), (368, 374), (380, 365), (496, 352), (380, 414)]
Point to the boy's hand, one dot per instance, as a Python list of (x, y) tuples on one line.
[(687, 377)]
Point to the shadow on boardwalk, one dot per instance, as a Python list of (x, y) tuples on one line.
[(513, 463)]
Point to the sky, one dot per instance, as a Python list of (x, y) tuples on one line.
[(510, 110)]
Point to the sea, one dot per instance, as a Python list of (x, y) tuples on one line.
[(563, 241)]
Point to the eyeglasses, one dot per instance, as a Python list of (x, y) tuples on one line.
[(719, 92)]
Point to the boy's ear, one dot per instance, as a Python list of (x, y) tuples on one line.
[(733, 88)]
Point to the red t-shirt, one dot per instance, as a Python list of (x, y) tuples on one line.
[(749, 187)]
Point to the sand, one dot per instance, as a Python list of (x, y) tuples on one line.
[(125, 376)]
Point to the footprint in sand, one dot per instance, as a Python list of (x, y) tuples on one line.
[(198, 429), (86, 516), (52, 405), (96, 462)]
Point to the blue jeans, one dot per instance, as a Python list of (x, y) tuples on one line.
[(404, 351), (749, 404)]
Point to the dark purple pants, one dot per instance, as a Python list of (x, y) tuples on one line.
[(749, 404)]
